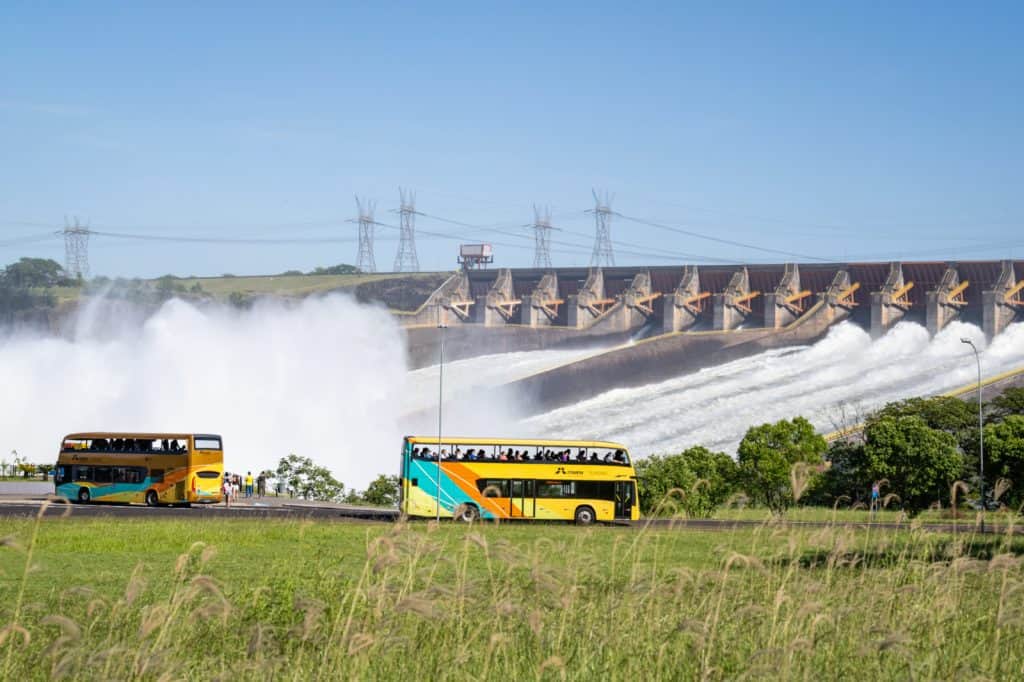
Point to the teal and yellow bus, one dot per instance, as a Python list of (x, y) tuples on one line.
[(492, 478), (150, 468)]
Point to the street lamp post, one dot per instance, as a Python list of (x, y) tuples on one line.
[(981, 434), (440, 405)]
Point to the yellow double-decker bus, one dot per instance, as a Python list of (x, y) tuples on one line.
[(491, 478), (154, 468)]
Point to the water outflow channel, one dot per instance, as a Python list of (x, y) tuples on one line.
[(836, 380)]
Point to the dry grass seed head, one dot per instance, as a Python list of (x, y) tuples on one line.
[(14, 629), (553, 663), (68, 627), (1001, 486), (535, 620), (1003, 562), (889, 499), (955, 488), (359, 642), (420, 605), (152, 619)]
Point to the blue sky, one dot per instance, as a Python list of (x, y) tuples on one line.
[(843, 131)]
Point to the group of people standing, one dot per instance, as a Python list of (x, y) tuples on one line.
[(235, 484)]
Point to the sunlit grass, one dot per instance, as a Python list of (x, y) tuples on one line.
[(167, 598)]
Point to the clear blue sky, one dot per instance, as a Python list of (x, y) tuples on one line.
[(840, 130)]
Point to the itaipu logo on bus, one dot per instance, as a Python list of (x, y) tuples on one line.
[(568, 472)]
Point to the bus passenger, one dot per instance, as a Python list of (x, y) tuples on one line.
[(593, 456), (415, 453), (620, 457), (503, 457)]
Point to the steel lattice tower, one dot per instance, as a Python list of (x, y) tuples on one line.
[(542, 237), (365, 261), (602, 211), (76, 250), (406, 259)]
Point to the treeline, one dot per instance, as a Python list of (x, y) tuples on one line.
[(915, 450), (27, 285), (304, 478)]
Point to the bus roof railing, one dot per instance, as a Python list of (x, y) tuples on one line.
[(137, 434), (518, 442)]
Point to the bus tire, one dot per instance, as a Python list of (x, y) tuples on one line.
[(467, 513), (585, 516), (152, 499), (83, 495)]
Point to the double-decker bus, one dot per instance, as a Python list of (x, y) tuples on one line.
[(154, 468), (491, 478)]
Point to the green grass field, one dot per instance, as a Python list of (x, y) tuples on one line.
[(170, 599), (284, 285)]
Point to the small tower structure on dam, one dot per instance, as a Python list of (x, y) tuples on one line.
[(889, 305), (1004, 303), (943, 305), (788, 302), (732, 306), (685, 305)]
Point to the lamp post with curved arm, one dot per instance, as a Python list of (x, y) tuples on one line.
[(440, 404), (981, 434)]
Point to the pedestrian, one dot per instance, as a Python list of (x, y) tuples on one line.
[(261, 484), (875, 490), (248, 484), (225, 490)]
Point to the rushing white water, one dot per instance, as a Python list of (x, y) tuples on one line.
[(831, 383), (320, 378), (482, 371)]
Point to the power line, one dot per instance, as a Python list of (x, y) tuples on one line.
[(602, 211), (365, 260), (730, 242), (406, 259)]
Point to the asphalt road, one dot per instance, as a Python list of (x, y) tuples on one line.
[(278, 508)]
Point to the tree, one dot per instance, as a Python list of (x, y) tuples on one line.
[(846, 474), (1004, 445), (767, 456), (308, 479), (919, 462), (382, 491), (342, 269), (706, 478), (1011, 401), (30, 273)]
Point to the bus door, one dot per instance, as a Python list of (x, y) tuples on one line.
[(624, 499), (522, 499)]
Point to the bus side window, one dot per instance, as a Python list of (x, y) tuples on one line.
[(101, 474), (157, 475), (83, 473)]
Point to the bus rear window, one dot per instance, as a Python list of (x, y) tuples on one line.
[(207, 443), (208, 474)]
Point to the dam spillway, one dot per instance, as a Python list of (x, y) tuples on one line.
[(661, 322)]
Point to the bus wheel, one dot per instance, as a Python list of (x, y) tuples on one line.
[(467, 513), (585, 516), (83, 494), (152, 499)]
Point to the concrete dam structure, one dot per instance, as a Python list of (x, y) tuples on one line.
[(685, 318)]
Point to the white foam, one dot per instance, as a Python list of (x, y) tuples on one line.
[(832, 383)]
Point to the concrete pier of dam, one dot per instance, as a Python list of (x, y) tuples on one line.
[(717, 309)]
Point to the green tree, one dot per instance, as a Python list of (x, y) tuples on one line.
[(706, 478), (919, 462), (342, 269), (768, 454), (1011, 401), (846, 475), (308, 479), (1004, 448), (34, 273), (382, 491)]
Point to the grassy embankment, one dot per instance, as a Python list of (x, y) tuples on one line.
[(168, 599)]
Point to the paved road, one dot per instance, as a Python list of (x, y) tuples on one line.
[(284, 508)]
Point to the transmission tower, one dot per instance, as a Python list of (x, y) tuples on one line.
[(76, 250), (603, 224), (406, 259), (365, 261), (542, 237)]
